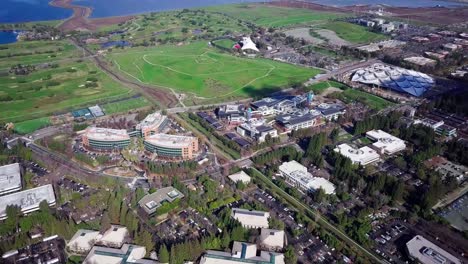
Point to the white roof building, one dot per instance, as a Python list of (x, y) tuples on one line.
[(251, 218), (113, 237), (427, 252), (398, 79), (421, 61), (240, 176), (128, 253), (106, 134), (242, 252), (248, 44), (28, 200), (363, 156), (10, 178), (297, 175), (152, 124), (82, 241), (272, 238), (385, 143)]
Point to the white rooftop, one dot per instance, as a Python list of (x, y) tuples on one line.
[(299, 173), (428, 253), (10, 178), (171, 141), (126, 254), (248, 44), (363, 156), (114, 235), (421, 61), (242, 252), (240, 176), (83, 240), (386, 142), (106, 134), (272, 238), (28, 200), (251, 218), (153, 120)]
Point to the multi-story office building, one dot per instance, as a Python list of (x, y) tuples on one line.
[(105, 139), (172, 146)]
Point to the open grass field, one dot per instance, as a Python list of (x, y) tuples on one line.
[(373, 101), (125, 105), (351, 32), (29, 126), (179, 25), (53, 90), (199, 70), (271, 16), (225, 43), (320, 87), (35, 52)]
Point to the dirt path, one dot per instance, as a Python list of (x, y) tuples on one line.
[(303, 33)]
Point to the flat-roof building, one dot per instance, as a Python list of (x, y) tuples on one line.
[(385, 143), (242, 252), (272, 239), (128, 253), (299, 120), (331, 111), (27, 200), (297, 175), (426, 252), (257, 130), (105, 139), (172, 146), (362, 156), (234, 113), (420, 61), (429, 123), (251, 218), (10, 178), (240, 176), (115, 236), (149, 203), (82, 241), (96, 111), (152, 124)]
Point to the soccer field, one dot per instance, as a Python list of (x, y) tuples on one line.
[(202, 71)]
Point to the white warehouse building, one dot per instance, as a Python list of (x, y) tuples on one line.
[(385, 143), (251, 218), (297, 175)]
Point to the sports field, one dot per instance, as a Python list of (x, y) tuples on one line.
[(272, 16), (351, 32), (202, 71), (29, 126), (125, 105)]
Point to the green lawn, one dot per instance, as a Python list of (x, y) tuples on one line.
[(352, 32), (199, 70), (271, 16), (320, 87), (125, 105), (373, 101), (29, 126), (51, 90), (225, 43)]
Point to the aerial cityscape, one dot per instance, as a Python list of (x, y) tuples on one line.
[(233, 131)]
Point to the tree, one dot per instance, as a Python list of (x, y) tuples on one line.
[(105, 221), (145, 239), (225, 239), (289, 256), (163, 254), (398, 191)]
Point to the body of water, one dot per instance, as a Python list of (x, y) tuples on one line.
[(15, 11), (8, 37)]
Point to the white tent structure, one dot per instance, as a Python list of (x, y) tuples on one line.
[(248, 44)]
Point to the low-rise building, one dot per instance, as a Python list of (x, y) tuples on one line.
[(446, 130), (242, 252), (388, 27), (256, 130), (235, 114), (297, 121), (426, 252), (172, 146), (421, 61), (385, 143), (331, 111), (150, 202), (297, 175), (450, 46), (115, 236), (251, 218), (240, 176), (272, 239), (362, 156), (27, 200), (82, 241), (105, 139), (126, 254), (10, 178), (429, 123)]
